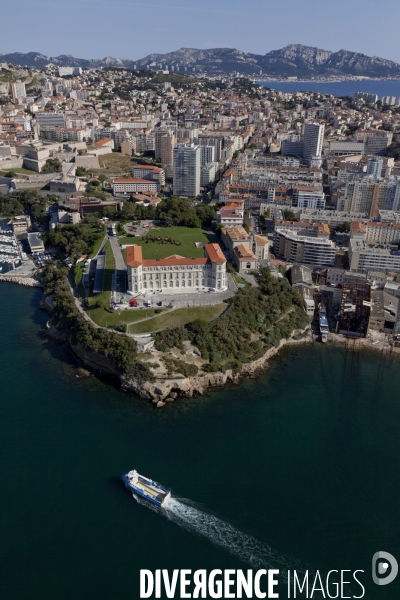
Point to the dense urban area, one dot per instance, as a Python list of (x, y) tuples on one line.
[(183, 224)]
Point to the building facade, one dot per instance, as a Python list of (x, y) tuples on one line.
[(186, 169), (176, 274)]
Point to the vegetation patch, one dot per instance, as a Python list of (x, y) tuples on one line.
[(256, 320), (178, 318)]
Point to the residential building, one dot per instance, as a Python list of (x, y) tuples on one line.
[(318, 252), (230, 216), (50, 119), (208, 174), (261, 247), (167, 143), (244, 259), (313, 139), (235, 236), (375, 166), (134, 185), (18, 91), (149, 172), (63, 71), (364, 257), (207, 154), (186, 169), (176, 274), (308, 197)]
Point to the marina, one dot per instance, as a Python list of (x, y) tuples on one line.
[(11, 250)]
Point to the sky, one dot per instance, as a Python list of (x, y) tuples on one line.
[(134, 28)]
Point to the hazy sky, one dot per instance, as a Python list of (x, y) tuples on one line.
[(133, 29)]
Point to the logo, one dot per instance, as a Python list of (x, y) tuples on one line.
[(384, 564)]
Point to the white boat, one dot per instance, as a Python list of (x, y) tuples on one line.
[(146, 488)]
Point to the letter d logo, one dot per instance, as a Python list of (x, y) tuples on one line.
[(381, 561)]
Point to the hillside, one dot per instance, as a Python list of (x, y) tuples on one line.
[(293, 60)]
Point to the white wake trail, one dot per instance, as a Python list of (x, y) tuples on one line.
[(247, 548)]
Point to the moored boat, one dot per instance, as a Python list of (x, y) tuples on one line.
[(323, 323)]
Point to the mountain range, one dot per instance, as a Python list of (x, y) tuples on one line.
[(293, 60)]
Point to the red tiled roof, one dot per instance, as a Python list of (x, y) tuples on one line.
[(134, 256), (215, 253)]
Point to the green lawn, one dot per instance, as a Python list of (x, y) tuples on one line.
[(108, 319), (240, 280), (187, 235), (178, 317)]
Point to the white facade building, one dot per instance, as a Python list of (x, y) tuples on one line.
[(186, 169), (313, 139), (176, 274)]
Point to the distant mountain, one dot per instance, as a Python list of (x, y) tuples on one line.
[(293, 60)]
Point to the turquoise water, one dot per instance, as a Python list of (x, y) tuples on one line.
[(390, 87), (298, 469)]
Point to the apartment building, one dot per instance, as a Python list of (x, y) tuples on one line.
[(318, 252), (18, 91), (364, 257), (234, 236), (230, 216), (375, 232), (313, 139), (149, 172), (308, 197), (305, 228), (186, 169), (134, 185), (176, 274)]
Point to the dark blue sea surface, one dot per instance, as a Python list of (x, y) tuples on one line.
[(299, 469), (390, 87)]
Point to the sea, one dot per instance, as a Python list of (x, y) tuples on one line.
[(388, 87), (297, 469)]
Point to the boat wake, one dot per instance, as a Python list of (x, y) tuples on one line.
[(187, 515)]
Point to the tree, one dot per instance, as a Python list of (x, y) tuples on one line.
[(289, 215), (52, 165)]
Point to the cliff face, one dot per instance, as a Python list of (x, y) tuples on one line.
[(161, 390), (293, 60)]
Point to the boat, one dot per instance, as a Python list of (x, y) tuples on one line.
[(146, 488), (323, 323)]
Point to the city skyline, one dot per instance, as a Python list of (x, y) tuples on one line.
[(184, 24)]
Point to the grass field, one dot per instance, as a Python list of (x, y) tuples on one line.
[(110, 319), (187, 235), (178, 317), (114, 163)]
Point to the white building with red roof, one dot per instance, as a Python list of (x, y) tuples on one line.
[(176, 274)]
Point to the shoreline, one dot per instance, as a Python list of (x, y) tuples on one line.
[(162, 391), (341, 80)]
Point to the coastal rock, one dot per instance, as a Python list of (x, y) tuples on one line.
[(161, 391), (26, 281), (160, 404), (170, 399), (173, 395)]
